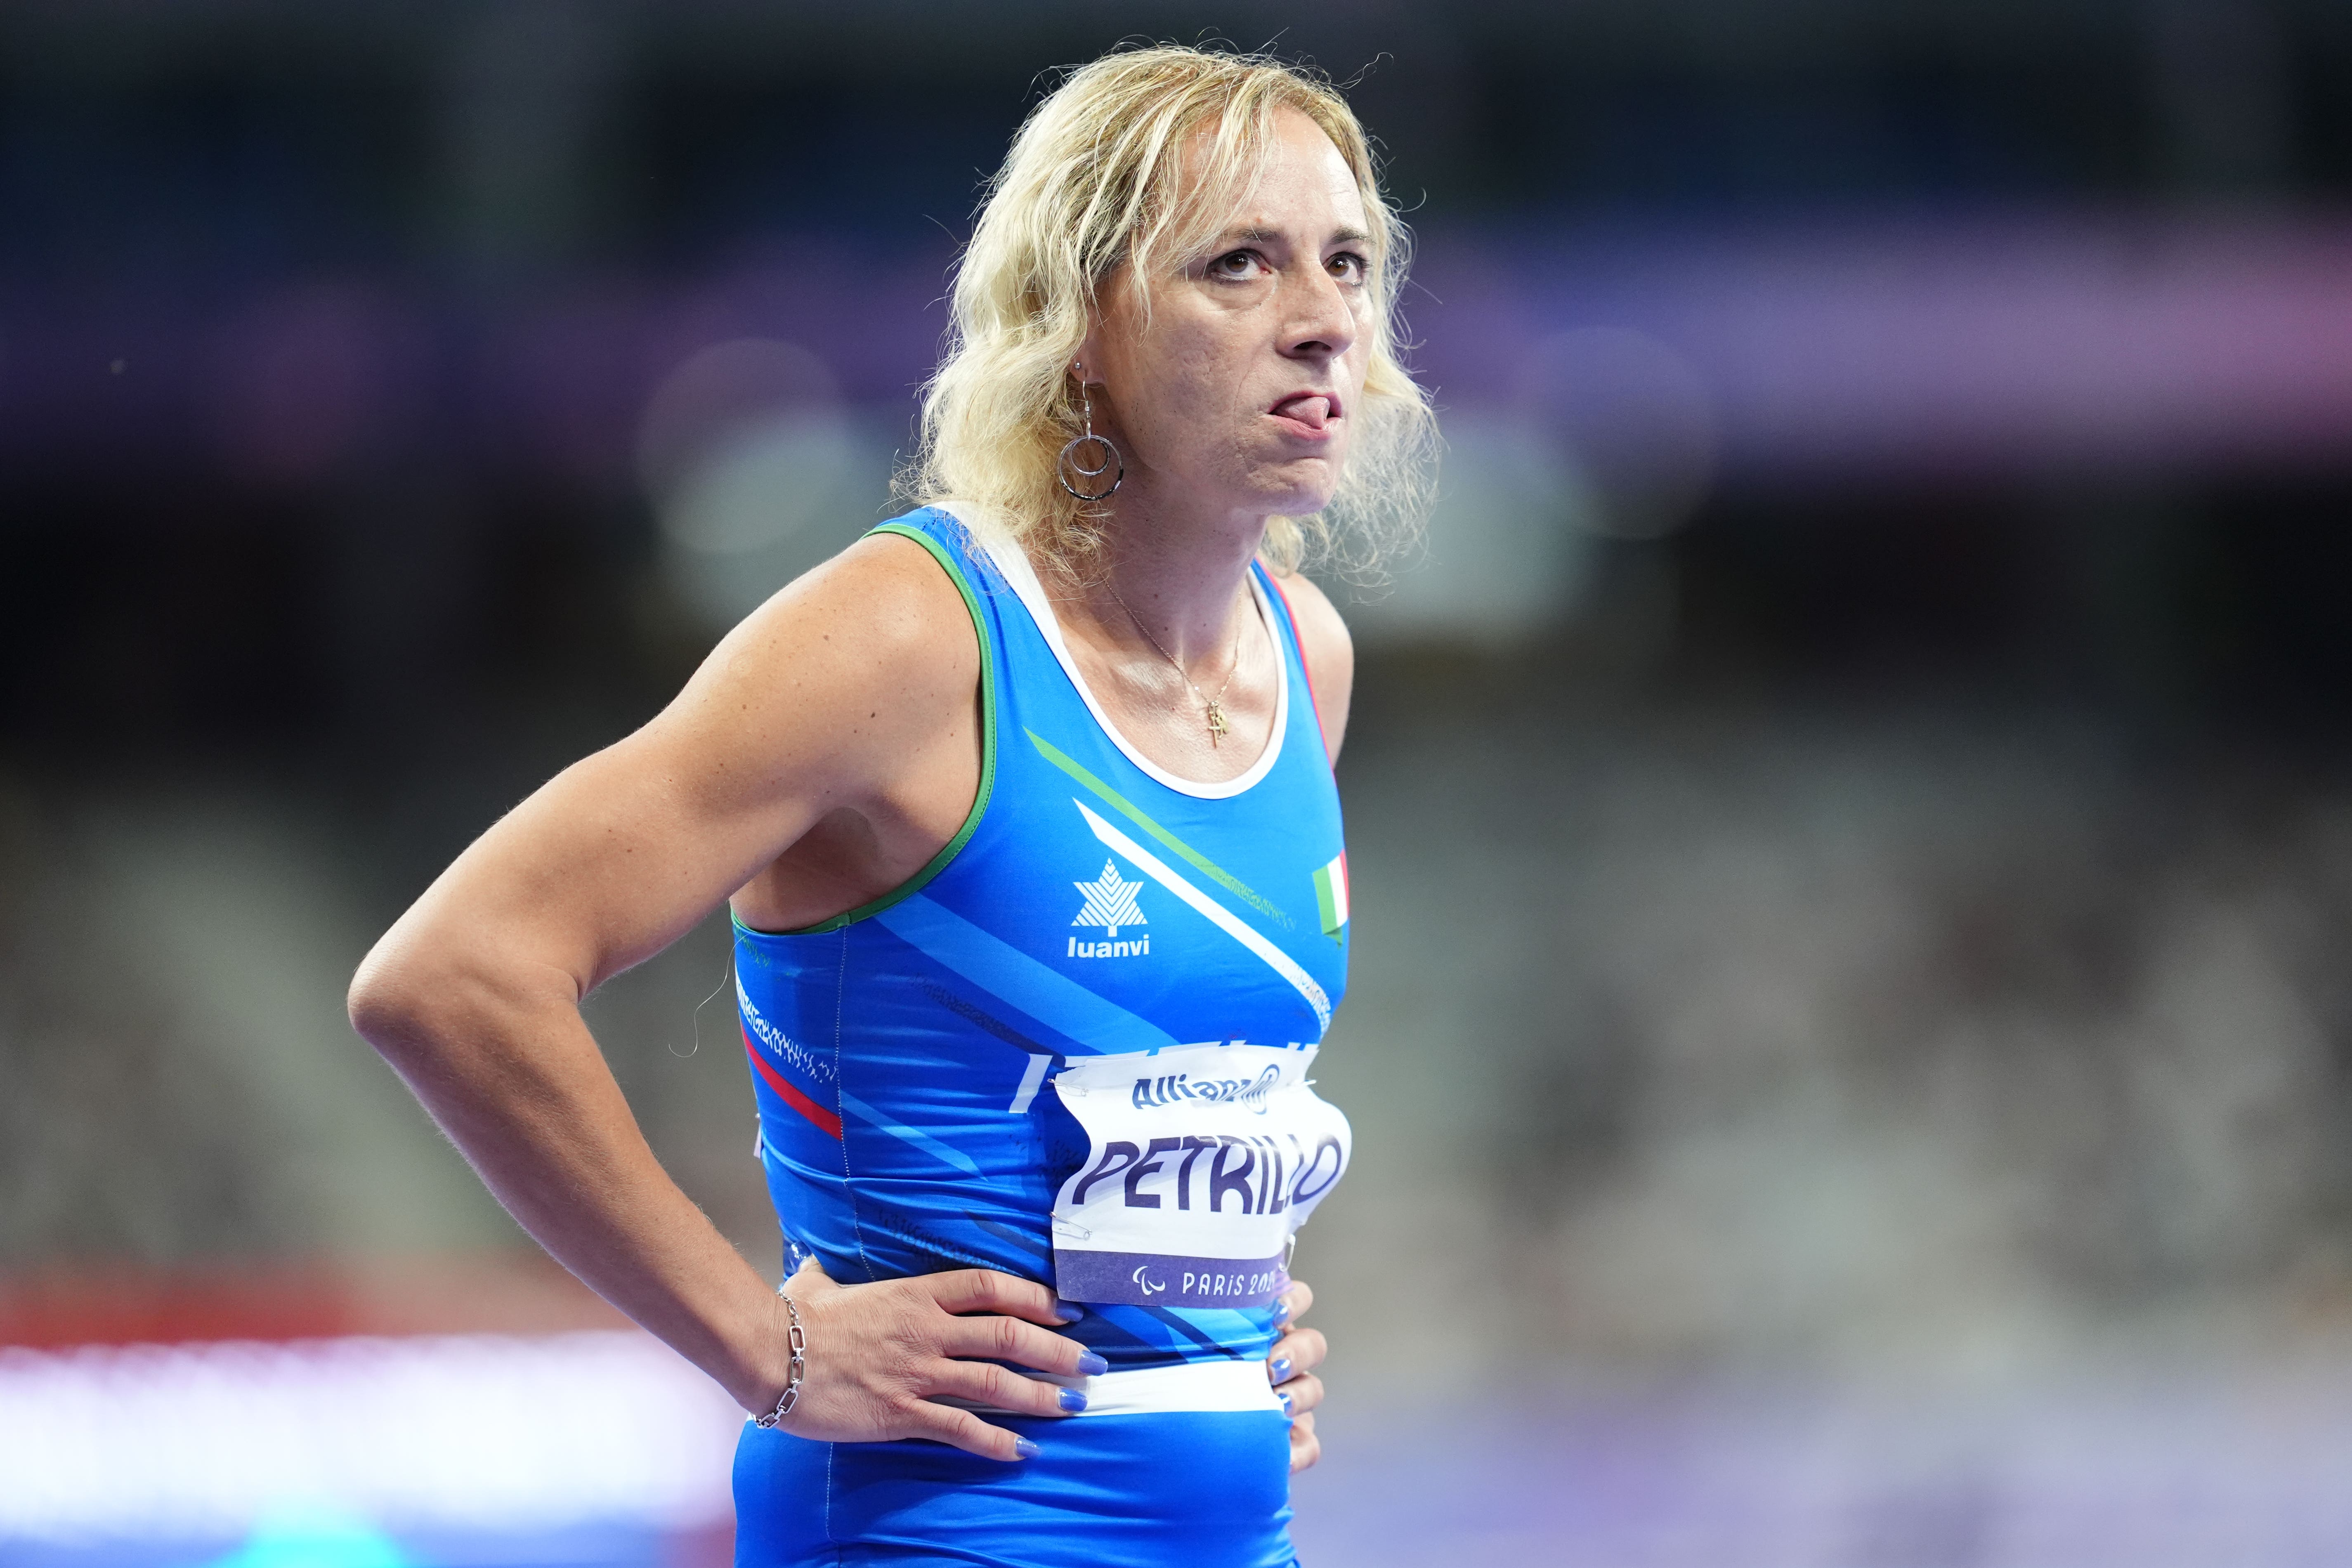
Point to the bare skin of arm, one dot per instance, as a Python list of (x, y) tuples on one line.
[(1298, 1351), (1330, 656), (835, 723), (1331, 668), (827, 749)]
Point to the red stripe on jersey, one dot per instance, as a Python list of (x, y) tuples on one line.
[(825, 1119)]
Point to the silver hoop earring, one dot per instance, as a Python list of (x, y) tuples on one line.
[(1111, 464)]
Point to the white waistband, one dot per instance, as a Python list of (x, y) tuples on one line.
[(1219, 1385), (1192, 1385)]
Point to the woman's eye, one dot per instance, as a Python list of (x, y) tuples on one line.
[(1348, 267), (1237, 264)]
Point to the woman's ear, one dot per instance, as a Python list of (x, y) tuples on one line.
[(1086, 360)]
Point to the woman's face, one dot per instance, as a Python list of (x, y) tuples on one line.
[(1239, 386)]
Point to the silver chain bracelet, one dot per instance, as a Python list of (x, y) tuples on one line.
[(792, 1394)]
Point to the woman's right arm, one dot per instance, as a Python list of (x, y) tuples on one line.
[(834, 696)]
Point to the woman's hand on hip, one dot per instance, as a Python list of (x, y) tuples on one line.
[(878, 1355), (1290, 1367)]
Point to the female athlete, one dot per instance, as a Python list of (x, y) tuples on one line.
[(1024, 805)]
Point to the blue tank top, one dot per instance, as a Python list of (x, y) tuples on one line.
[(1072, 1047)]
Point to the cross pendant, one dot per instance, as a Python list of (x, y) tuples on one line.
[(1218, 727)]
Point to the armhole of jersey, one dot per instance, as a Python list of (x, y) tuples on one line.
[(939, 862), (1298, 641)]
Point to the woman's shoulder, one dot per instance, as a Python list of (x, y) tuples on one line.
[(872, 649), (889, 591), (1329, 652)]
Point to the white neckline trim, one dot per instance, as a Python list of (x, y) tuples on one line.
[(1015, 566)]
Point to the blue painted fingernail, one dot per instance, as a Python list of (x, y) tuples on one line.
[(1072, 1401), (1070, 1311), (1281, 1313), (1281, 1368), (1286, 1410), (1025, 1447), (1091, 1364)]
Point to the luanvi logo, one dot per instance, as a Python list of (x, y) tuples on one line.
[(1110, 904)]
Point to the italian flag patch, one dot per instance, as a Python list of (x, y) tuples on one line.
[(1331, 896)]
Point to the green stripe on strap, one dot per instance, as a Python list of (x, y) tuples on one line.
[(1191, 857)]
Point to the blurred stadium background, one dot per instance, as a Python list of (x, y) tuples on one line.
[(1851, 818)]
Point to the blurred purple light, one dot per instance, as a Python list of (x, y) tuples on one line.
[(2175, 1470), (2016, 345), (316, 377), (2010, 345)]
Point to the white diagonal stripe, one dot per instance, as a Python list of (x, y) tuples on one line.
[(1154, 867), (1032, 1075)]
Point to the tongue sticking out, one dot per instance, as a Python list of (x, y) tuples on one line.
[(1310, 412)]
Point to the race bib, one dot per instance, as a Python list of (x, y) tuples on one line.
[(1203, 1159)]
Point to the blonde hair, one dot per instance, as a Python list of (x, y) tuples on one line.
[(1092, 185)]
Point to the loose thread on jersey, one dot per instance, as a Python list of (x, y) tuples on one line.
[(695, 1019)]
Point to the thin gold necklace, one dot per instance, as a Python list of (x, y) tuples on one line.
[(1213, 708)]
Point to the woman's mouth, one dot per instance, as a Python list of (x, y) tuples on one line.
[(1310, 415)]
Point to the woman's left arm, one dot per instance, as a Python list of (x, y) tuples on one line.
[(1331, 671), (1330, 656)]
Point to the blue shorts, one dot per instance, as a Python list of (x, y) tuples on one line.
[(1184, 1489)]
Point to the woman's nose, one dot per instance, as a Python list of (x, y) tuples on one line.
[(1319, 324)]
